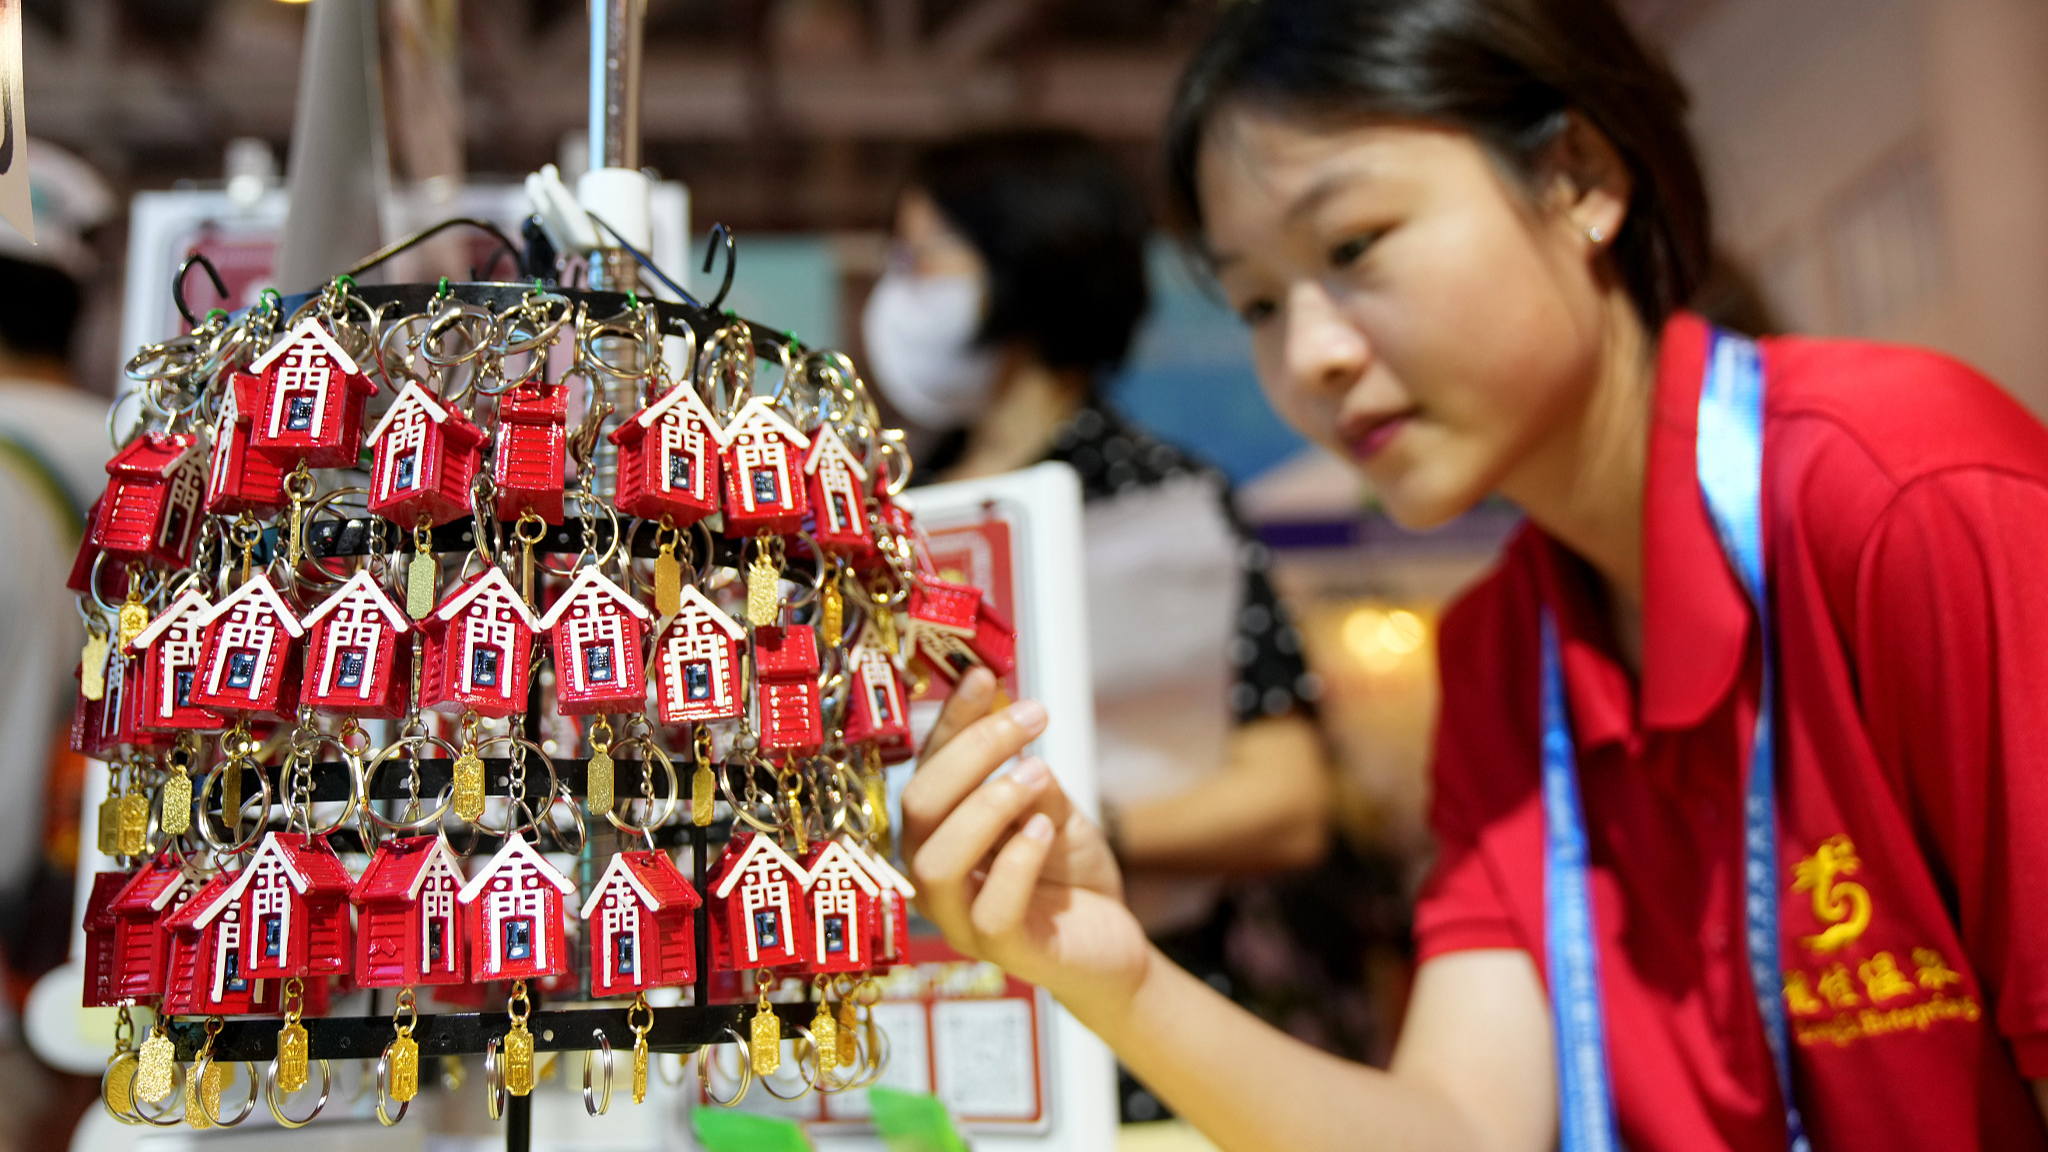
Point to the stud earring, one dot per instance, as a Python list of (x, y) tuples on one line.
[(1596, 235)]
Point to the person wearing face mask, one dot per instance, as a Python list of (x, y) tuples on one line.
[(1739, 772), (1017, 285)]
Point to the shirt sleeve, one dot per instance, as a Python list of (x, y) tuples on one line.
[(1952, 655)]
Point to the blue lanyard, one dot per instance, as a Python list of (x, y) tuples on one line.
[(1730, 452)]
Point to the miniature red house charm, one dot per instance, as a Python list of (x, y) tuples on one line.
[(355, 662), (408, 926), (141, 937), (169, 652), (954, 628), (239, 478), (842, 896), (150, 509), (697, 663), (426, 456), (764, 483), (786, 668), (878, 707), (478, 644), (98, 727), (512, 916), (312, 400), (597, 631), (892, 912), (248, 661), (528, 463), (758, 919), (838, 486), (290, 908), (205, 974), (641, 926), (102, 952), (668, 459)]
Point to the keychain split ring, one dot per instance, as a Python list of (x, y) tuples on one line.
[(112, 1084), (369, 774), (707, 1054), (328, 577), (276, 1101), (156, 1119), (495, 1095), (383, 1085), (307, 746), (768, 1081), (655, 755), (207, 831), (198, 1074), (598, 1103)]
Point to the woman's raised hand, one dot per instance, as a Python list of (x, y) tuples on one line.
[(1008, 868)]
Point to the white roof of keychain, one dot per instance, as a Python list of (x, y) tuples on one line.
[(310, 326)]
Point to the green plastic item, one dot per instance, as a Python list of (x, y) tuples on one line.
[(913, 1121), (724, 1130)]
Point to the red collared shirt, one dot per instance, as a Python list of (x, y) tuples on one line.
[(1906, 535)]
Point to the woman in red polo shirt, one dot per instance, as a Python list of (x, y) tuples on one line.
[(1717, 870)]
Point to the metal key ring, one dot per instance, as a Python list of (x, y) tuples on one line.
[(578, 496), (707, 1054), (668, 803), (198, 1074), (752, 763), (204, 823), (495, 1094), (328, 578), (157, 1119), (276, 1101), (307, 747), (123, 1085), (768, 1081), (383, 1084), (598, 1103), (518, 746), (405, 743)]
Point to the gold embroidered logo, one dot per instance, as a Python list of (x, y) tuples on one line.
[(1843, 905)]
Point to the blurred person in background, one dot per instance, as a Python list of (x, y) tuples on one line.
[(1016, 284), (53, 453)]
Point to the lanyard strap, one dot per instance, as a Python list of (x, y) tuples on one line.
[(1730, 468)]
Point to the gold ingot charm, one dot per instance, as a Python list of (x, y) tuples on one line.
[(640, 1071), (109, 826), (831, 614), (92, 667), (469, 786), (876, 786), (767, 1040), (405, 1068), (134, 619), (849, 1042), (668, 582), (202, 1095), (176, 816), (703, 794), (763, 603), (120, 1079), (597, 782), (153, 1068), (419, 585), (518, 1058), (134, 824), (885, 628), (825, 1033), (292, 1064)]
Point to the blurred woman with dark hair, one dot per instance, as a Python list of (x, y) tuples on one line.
[(1018, 282), (1739, 772)]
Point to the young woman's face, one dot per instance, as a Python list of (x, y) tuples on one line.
[(1410, 307)]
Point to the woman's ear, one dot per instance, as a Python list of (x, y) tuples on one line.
[(1589, 184)]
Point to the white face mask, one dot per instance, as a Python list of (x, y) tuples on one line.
[(920, 337)]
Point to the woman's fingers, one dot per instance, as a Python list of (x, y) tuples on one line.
[(944, 865), (1013, 877), (969, 702), (946, 777)]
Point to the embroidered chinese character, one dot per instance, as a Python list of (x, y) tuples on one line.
[(1842, 904), (1933, 974), (1838, 988), (1799, 995), (1882, 978)]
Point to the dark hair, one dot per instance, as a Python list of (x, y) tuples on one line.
[(42, 308), (1062, 232), (1507, 71)]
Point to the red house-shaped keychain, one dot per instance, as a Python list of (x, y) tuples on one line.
[(205, 974), (239, 478), (786, 668), (141, 937), (102, 950), (426, 456), (597, 631), (878, 707), (697, 663), (291, 904), (248, 660), (954, 628), (892, 911), (528, 463), (356, 663), (764, 482), (668, 459), (169, 651), (408, 925), (477, 647), (512, 916), (312, 396), (641, 927), (756, 893), (99, 727), (150, 510), (838, 487), (843, 900)]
